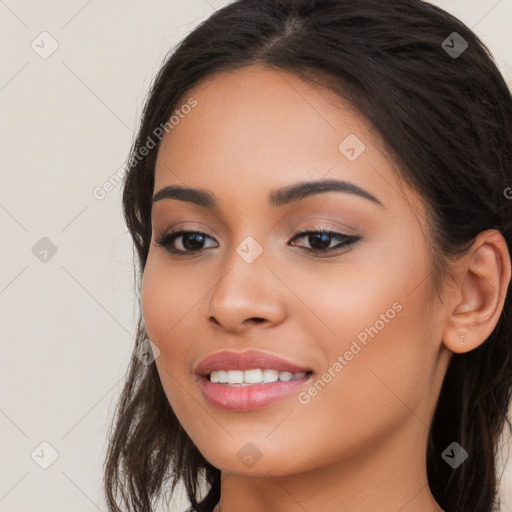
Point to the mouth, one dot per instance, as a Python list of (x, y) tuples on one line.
[(245, 381)]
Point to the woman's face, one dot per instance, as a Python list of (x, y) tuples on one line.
[(364, 317)]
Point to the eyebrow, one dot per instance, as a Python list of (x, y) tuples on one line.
[(277, 197)]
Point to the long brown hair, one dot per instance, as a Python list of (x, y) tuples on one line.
[(447, 121)]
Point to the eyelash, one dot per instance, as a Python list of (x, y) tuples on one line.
[(347, 240)]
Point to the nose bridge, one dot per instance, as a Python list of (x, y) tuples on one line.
[(244, 291), (243, 269)]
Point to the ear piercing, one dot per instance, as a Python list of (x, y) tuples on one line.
[(462, 339)]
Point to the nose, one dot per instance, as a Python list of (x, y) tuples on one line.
[(247, 294)]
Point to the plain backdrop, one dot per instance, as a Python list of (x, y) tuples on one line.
[(67, 302)]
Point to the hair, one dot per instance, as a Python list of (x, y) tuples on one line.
[(446, 121)]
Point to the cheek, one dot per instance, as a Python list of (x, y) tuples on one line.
[(166, 299), (154, 302), (382, 359), (374, 317)]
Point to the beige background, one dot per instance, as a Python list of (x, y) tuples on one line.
[(67, 124)]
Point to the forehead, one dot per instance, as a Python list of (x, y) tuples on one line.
[(261, 112), (260, 128)]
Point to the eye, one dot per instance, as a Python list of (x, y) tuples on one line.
[(191, 243), (320, 241)]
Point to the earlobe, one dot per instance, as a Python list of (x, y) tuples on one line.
[(484, 277)]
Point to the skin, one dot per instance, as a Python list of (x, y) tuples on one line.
[(360, 443)]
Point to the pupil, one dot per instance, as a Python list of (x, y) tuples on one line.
[(199, 239), (323, 237)]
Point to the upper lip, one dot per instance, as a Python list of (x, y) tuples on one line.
[(231, 360)]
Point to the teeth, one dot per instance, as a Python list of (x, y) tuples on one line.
[(253, 376), (270, 375), (235, 376)]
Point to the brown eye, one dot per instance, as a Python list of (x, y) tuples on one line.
[(192, 241), (321, 239)]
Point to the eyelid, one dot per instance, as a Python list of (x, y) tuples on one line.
[(324, 222), (187, 226)]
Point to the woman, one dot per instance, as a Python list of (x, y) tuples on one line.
[(319, 196)]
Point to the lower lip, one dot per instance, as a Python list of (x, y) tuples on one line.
[(248, 398)]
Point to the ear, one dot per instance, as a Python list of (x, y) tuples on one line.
[(476, 304)]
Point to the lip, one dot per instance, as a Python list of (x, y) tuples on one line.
[(246, 398), (231, 360)]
